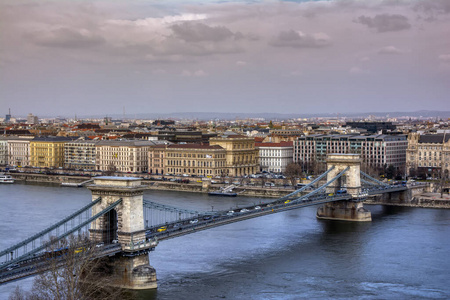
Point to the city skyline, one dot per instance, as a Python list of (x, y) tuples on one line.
[(296, 57)]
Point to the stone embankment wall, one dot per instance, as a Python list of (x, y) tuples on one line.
[(44, 178)]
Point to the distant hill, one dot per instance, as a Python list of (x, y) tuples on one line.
[(279, 116)]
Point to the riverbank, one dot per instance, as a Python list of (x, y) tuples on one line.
[(426, 200), (192, 187)]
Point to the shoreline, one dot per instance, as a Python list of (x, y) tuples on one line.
[(419, 201)]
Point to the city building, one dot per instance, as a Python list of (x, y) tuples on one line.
[(3, 151), (48, 152), (19, 151), (377, 151), (241, 154), (428, 154), (80, 154), (195, 159), (32, 119), (274, 157), (156, 159), (373, 127), (123, 156)]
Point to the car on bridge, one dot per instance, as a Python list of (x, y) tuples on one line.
[(244, 210), (230, 213), (161, 229), (195, 221)]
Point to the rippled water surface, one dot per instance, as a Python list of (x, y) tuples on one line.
[(402, 254)]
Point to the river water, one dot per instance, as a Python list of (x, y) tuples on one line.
[(402, 254)]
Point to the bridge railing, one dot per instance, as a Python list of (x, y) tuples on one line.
[(45, 244)]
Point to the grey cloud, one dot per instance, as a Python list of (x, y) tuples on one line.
[(296, 39), (385, 22), (440, 6), (66, 38), (390, 50), (198, 32)]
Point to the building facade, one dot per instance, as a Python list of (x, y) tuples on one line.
[(274, 157), (80, 155), (3, 151), (241, 154), (19, 151), (428, 154), (195, 159), (47, 152), (156, 159), (123, 156), (377, 151)]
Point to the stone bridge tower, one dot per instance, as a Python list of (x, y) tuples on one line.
[(124, 224), (350, 181)]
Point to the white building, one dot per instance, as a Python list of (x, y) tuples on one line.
[(3, 151), (274, 157), (80, 154), (377, 151), (19, 151), (123, 156)]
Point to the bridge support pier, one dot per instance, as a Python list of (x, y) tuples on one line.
[(124, 225), (344, 211), (349, 183), (134, 273)]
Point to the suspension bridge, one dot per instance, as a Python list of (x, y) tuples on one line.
[(125, 227)]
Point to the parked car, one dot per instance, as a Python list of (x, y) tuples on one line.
[(195, 221)]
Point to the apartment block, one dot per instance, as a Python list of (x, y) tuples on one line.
[(48, 152), (274, 157), (80, 154), (195, 159), (428, 154), (123, 156), (241, 154), (377, 151)]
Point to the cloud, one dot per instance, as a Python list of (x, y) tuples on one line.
[(444, 57), (358, 71), (439, 6), (241, 63), (298, 39), (198, 73), (199, 32), (66, 38), (385, 22), (390, 50)]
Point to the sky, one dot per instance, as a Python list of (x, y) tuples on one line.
[(74, 57)]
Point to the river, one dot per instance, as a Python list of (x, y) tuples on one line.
[(401, 254)]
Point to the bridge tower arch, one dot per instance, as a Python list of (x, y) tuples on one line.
[(126, 225), (350, 183)]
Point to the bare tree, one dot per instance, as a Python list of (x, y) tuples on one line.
[(74, 272), (292, 172)]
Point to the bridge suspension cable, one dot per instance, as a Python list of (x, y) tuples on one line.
[(163, 207), (368, 182), (306, 186), (322, 187), (44, 245), (373, 179), (50, 229)]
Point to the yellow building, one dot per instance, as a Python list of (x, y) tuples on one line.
[(241, 155), (47, 152), (194, 159)]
